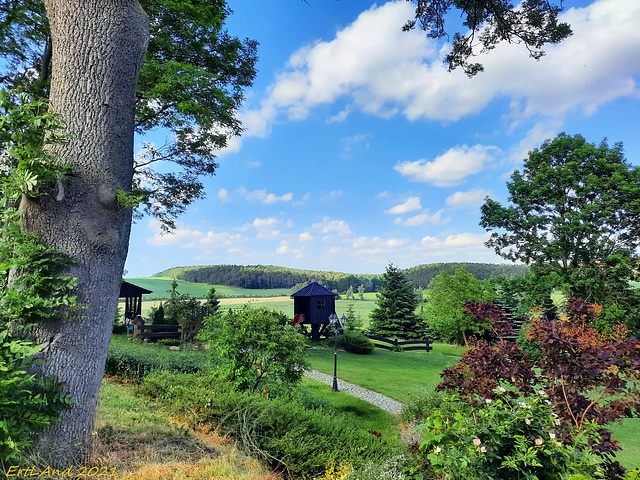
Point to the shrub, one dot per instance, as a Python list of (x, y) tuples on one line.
[(302, 440), (422, 405), (589, 376), (507, 438), (355, 342), (254, 346), (134, 361), (26, 402)]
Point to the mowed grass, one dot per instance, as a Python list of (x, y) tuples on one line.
[(368, 416), (398, 375)]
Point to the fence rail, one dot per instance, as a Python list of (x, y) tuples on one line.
[(156, 332), (390, 344)]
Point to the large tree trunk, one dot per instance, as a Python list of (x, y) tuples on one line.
[(98, 47)]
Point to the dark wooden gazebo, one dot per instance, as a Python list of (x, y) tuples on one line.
[(317, 304), (133, 299)]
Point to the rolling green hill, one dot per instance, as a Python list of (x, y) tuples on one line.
[(161, 287), (270, 276)]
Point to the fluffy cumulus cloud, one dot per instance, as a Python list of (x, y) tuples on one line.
[(378, 69), (263, 196), (333, 227), (412, 203), (471, 198), (188, 237), (424, 218), (449, 169)]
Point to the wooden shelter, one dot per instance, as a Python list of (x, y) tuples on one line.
[(133, 300), (317, 304)]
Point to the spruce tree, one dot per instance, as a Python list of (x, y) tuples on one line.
[(394, 315)]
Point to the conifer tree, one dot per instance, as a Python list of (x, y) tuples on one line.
[(394, 315)]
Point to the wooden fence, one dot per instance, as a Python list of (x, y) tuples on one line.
[(389, 344), (156, 332)]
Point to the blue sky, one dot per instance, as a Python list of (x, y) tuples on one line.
[(361, 149)]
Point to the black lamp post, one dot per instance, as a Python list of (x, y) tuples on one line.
[(336, 323)]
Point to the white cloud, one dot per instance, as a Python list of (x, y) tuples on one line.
[(265, 223), (412, 203), (423, 218), (223, 194), (272, 198), (329, 226), (187, 237), (263, 196), (471, 198), (305, 237), (376, 68), (450, 168)]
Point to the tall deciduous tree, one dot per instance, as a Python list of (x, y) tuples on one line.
[(575, 212), (191, 84), (98, 47), (444, 312), (394, 315)]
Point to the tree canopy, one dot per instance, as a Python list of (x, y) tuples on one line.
[(573, 204), (532, 23), (574, 212), (444, 312), (191, 84)]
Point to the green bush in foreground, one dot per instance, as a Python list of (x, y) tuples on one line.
[(256, 345), (27, 403), (507, 438), (134, 360), (356, 342), (281, 430)]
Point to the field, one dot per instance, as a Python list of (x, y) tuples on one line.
[(161, 287), (276, 299)]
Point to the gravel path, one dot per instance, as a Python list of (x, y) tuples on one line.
[(374, 398)]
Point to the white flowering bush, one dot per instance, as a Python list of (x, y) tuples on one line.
[(506, 438)]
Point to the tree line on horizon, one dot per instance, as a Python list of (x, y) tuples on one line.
[(269, 276)]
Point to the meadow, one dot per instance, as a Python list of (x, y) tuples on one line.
[(403, 376)]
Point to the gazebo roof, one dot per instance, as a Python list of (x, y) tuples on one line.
[(130, 290), (314, 289)]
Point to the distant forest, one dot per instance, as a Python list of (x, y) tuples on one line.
[(422, 274), (269, 276)]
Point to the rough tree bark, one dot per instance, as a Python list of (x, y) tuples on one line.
[(98, 47)]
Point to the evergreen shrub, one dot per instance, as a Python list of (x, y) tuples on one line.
[(134, 361), (304, 441), (356, 342)]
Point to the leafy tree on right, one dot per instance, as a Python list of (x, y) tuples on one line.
[(575, 214)]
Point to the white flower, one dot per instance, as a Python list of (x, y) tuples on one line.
[(502, 389), (488, 400), (438, 449), (541, 392), (552, 435), (527, 421)]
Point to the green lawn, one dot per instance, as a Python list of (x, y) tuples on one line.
[(395, 374)]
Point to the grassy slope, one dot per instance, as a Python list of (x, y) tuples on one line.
[(139, 442), (397, 375), (161, 287)]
